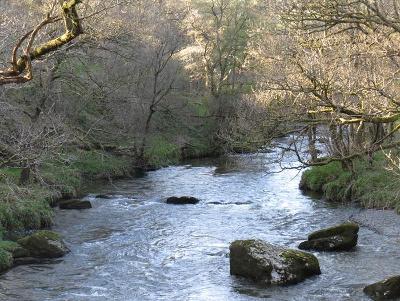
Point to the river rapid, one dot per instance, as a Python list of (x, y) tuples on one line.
[(134, 247)]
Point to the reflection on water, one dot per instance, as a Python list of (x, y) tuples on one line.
[(132, 246)]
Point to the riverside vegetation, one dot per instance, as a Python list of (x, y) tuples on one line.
[(92, 90)]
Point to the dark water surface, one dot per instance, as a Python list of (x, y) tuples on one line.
[(135, 247)]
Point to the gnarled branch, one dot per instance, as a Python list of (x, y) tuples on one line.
[(21, 70)]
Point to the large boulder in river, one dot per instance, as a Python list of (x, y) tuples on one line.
[(270, 264), (44, 244), (388, 289), (75, 204), (338, 238), (184, 200)]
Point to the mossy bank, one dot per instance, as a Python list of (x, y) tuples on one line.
[(371, 184)]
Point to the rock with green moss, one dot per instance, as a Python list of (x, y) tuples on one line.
[(342, 237), (14, 248), (388, 289), (6, 260), (269, 264), (44, 244)]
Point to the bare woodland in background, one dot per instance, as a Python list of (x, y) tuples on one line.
[(120, 75)]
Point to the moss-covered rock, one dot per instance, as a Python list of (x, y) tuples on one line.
[(388, 289), (342, 237), (6, 260), (184, 200), (44, 244), (75, 204), (269, 264), (14, 248)]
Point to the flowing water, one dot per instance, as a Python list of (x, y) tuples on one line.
[(135, 247)]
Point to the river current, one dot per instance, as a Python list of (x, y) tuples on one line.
[(134, 247)]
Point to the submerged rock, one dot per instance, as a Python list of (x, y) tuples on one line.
[(75, 204), (182, 200), (6, 260), (269, 264), (31, 260), (44, 244), (388, 289), (338, 238)]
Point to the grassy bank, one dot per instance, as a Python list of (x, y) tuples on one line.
[(371, 184), (29, 207)]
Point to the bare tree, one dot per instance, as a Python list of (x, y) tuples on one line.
[(333, 66)]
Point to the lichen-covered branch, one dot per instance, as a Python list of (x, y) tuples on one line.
[(20, 71)]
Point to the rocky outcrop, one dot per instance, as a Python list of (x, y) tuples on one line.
[(184, 200), (270, 264), (338, 238), (75, 204), (388, 289), (44, 244)]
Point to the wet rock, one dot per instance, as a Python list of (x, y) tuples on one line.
[(75, 204), (104, 196), (338, 238), (184, 200), (388, 289), (6, 260), (14, 248), (269, 264), (29, 260), (44, 244)]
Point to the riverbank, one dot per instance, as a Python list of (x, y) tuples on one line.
[(155, 251), (371, 185), (29, 207)]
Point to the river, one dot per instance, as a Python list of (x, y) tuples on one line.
[(134, 247)]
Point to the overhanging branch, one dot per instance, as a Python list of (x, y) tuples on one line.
[(20, 71)]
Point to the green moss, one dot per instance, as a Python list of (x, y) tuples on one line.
[(44, 244), (295, 255), (345, 228), (298, 259), (371, 184), (6, 260), (14, 248), (8, 245)]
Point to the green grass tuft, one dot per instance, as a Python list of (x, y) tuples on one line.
[(316, 177), (372, 185), (6, 260), (160, 152)]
